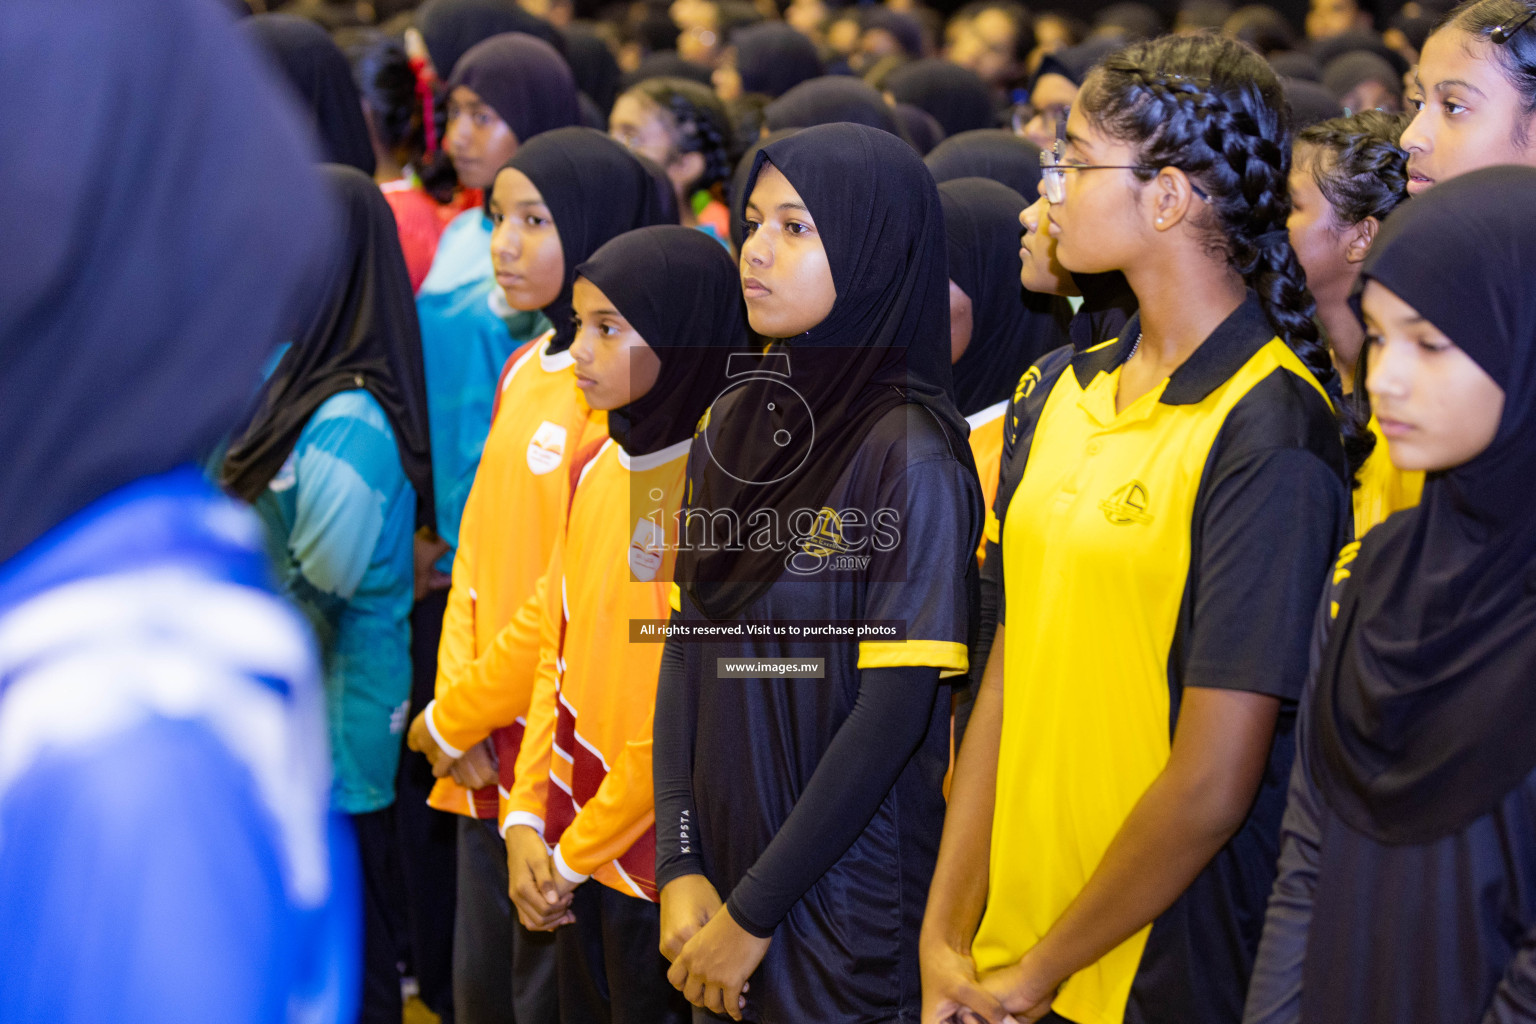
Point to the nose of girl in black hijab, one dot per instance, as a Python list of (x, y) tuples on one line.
[(884, 343), (318, 71), (1010, 328), (1424, 720), (681, 292), (175, 253), (595, 189), (364, 335)]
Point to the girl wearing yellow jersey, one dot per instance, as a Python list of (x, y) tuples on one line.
[(658, 315), (1169, 506), (1348, 174)]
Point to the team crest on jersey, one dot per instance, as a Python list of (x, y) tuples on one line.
[(1127, 505), (547, 448), (1027, 384), (646, 548)]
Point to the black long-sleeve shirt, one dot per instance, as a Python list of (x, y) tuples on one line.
[(1364, 932), (815, 806)]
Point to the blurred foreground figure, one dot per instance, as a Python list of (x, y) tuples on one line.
[(166, 852)]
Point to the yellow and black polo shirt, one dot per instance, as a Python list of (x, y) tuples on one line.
[(1182, 542)]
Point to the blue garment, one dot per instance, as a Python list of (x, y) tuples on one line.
[(467, 334), (339, 516), (166, 853)]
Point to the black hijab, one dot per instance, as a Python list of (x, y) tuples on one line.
[(988, 153), (1350, 70), (1310, 103), (1328, 50), (746, 170), (595, 189), (597, 72), (904, 28), (153, 255), (451, 27), (523, 79), (364, 336), (665, 64), (885, 343), (830, 100), (319, 71), (921, 128), (1011, 327), (1425, 710), (956, 98), (1074, 62), (681, 292), (773, 58)]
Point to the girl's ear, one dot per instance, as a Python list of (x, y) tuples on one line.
[(1172, 195), (1358, 240)]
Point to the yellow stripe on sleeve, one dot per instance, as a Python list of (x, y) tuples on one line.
[(950, 658)]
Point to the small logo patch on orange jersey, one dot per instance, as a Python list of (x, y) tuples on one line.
[(646, 549), (547, 448)]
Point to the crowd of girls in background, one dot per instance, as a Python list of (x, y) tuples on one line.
[(418, 577)]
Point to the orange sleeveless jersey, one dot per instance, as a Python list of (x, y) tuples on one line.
[(583, 777), (515, 510)]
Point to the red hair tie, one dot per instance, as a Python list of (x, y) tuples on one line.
[(425, 92)]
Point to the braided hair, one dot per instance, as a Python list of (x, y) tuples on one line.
[(1215, 109), (698, 123), (1357, 163)]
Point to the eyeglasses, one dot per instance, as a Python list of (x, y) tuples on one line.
[(1053, 172), (1501, 34)]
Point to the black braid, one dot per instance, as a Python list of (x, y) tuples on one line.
[(701, 123), (1214, 109)]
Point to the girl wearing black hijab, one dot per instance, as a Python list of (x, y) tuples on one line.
[(335, 459), (829, 100), (1409, 842), (988, 153), (658, 314), (166, 851), (1055, 87), (563, 196), (319, 72), (957, 99), (997, 330), (768, 59), (447, 29), (812, 806)]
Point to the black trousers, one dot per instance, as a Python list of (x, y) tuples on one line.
[(502, 972), (610, 963), (427, 839), (383, 917)]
